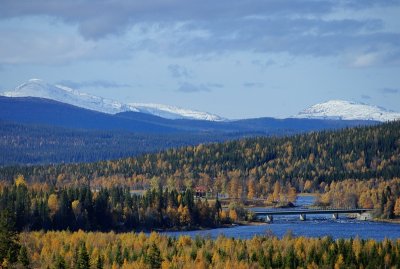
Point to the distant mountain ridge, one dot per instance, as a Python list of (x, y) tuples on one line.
[(330, 110), (34, 110), (41, 89), (60, 93), (346, 110), (38, 130), (173, 112)]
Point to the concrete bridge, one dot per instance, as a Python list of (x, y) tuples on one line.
[(270, 213)]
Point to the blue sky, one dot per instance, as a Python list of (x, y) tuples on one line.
[(234, 58)]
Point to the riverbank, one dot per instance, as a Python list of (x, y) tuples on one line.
[(306, 194), (392, 221), (250, 223), (188, 228)]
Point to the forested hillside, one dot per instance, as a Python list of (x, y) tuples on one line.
[(271, 168), (304, 161), (38, 144)]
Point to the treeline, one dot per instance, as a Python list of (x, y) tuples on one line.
[(110, 250), (382, 196), (244, 168), (108, 209)]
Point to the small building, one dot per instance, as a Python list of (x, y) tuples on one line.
[(201, 191)]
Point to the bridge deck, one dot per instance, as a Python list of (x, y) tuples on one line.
[(310, 211)]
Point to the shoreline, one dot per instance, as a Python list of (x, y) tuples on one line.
[(306, 194), (392, 221), (251, 223)]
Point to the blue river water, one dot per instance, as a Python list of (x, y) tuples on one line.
[(314, 226)]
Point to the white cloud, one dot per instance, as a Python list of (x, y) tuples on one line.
[(32, 48), (184, 28), (54, 44)]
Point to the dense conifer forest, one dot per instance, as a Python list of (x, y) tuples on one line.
[(304, 161), (41, 144), (114, 209)]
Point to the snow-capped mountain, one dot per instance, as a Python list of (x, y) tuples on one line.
[(60, 93), (172, 112), (39, 88), (346, 110)]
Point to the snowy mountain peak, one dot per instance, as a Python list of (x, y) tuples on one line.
[(347, 110), (173, 112), (39, 88)]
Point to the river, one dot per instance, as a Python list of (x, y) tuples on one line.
[(314, 226)]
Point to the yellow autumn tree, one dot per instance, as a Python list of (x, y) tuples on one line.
[(52, 203), (339, 262), (397, 207), (233, 215), (20, 180), (307, 186), (277, 191), (184, 215), (251, 189), (76, 208)]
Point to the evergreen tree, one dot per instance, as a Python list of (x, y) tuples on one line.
[(75, 258), (118, 255), (83, 257), (9, 246), (59, 263), (22, 205), (290, 258), (23, 258), (126, 254), (99, 262), (153, 257), (80, 259)]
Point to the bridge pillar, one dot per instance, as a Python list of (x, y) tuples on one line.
[(269, 218), (303, 217), (364, 216), (335, 215)]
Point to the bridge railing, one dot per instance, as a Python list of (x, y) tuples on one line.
[(330, 208), (312, 209)]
